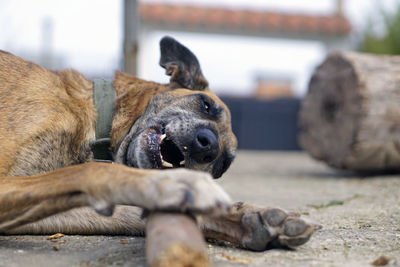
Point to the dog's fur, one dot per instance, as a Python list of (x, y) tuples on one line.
[(49, 182)]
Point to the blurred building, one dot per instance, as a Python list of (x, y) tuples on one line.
[(331, 30), (273, 87), (257, 36)]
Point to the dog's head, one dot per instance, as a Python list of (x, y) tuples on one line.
[(182, 124)]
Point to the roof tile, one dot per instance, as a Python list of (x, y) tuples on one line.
[(234, 18)]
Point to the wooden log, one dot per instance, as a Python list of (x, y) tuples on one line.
[(350, 117), (174, 240)]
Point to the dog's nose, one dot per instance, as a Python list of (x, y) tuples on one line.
[(205, 146)]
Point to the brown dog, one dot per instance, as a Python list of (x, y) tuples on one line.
[(48, 126)]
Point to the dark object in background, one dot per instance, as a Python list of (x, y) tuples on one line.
[(265, 124), (350, 117)]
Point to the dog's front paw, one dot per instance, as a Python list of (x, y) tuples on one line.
[(186, 191), (272, 227)]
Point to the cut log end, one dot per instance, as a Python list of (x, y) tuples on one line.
[(331, 111), (350, 117)]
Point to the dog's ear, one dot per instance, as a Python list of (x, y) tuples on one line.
[(182, 65)]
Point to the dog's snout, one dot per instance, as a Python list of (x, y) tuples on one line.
[(205, 147)]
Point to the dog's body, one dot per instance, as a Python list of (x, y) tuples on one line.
[(48, 180)]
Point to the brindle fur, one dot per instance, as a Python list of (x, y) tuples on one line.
[(49, 182)]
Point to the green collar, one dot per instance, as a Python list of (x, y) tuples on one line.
[(104, 99)]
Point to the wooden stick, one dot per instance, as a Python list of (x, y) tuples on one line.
[(174, 239)]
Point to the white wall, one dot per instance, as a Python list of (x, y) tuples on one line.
[(232, 63)]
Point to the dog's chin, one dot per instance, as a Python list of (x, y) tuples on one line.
[(153, 149)]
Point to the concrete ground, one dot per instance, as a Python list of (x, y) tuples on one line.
[(360, 216)]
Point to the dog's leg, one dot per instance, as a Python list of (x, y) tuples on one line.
[(102, 185), (257, 228), (126, 220), (248, 226)]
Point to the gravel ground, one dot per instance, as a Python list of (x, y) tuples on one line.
[(360, 218)]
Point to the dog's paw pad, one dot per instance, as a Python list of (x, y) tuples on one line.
[(293, 242), (258, 236), (274, 217), (294, 227), (296, 232), (275, 228)]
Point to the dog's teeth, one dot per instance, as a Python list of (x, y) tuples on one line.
[(166, 164), (162, 137), (182, 163)]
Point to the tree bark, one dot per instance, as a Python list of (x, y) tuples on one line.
[(350, 117), (174, 240)]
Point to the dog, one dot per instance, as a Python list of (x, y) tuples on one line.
[(166, 143)]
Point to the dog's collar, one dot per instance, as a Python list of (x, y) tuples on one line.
[(104, 99)]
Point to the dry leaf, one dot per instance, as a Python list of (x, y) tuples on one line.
[(236, 259), (381, 261), (55, 236)]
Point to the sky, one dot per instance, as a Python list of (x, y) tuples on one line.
[(87, 36)]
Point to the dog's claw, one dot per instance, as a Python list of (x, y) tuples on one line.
[(223, 205), (106, 210), (275, 228), (187, 200)]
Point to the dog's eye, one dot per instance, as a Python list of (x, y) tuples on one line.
[(206, 106)]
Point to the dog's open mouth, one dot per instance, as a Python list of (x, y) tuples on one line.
[(171, 156), (163, 151)]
